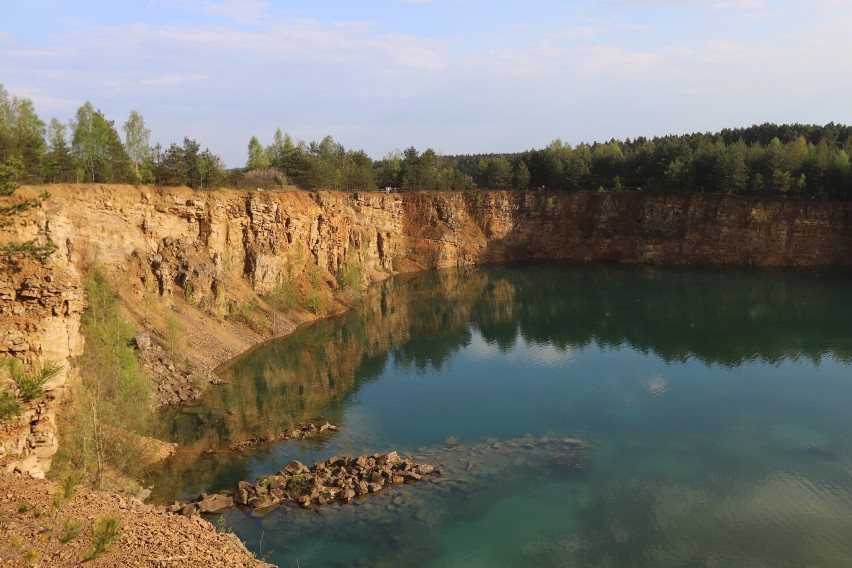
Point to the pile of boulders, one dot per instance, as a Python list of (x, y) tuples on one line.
[(301, 433), (334, 480)]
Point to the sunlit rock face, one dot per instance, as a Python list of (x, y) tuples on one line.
[(210, 252)]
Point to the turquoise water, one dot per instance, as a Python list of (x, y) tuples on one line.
[(715, 403)]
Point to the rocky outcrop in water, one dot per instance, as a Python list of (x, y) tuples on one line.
[(335, 479)]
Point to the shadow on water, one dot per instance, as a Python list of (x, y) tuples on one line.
[(714, 316)]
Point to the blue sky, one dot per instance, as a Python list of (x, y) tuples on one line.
[(458, 76)]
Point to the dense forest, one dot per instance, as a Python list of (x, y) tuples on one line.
[(793, 161)]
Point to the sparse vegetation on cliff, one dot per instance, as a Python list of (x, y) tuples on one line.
[(41, 251), (30, 382), (112, 407), (10, 406)]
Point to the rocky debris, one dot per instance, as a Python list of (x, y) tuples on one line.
[(309, 430), (30, 532), (204, 503), (333, 480), (177, 382)]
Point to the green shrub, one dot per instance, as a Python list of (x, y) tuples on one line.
[(350, 275), (70, 529), (316, 297), (285, 296), (31, 382), (28, 248), (105, 531), (10, 407), (250, 313)]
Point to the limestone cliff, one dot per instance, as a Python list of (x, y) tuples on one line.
[(211, 274)]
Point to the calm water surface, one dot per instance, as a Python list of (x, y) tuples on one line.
[(717, 404)]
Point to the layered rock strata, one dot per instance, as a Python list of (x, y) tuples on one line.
[(199, 259)]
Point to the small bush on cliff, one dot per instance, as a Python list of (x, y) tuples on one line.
[(316, 297), (31, 248), (31, 381), (350, 274)]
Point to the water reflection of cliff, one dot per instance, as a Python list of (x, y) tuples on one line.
[(717, 316)]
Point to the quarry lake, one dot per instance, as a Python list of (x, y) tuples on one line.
[(713, 406)]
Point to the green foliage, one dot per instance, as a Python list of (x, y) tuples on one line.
[(250, 313), (188, 165), (31, 556), (59, 164), (22, 146), (316, 297), (257, 158), (10, 175), (171, 334), (789, 161), (105, 531), (222, 525), (70, 530), (299, 484), (114, 404), (285, 296), (350, 274), (29, 248), (30, 384), (31, 381), (10, 406), (96, 145), (9, 212), (137, 141)]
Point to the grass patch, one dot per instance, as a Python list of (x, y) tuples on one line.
[(171, 334), (250, 313)]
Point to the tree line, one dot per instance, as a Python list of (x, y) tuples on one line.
[(795, 161)]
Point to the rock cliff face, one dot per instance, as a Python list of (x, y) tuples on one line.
[(212, 263)]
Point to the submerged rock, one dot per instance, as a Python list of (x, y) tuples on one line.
[(821, 452), (314, 428)]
